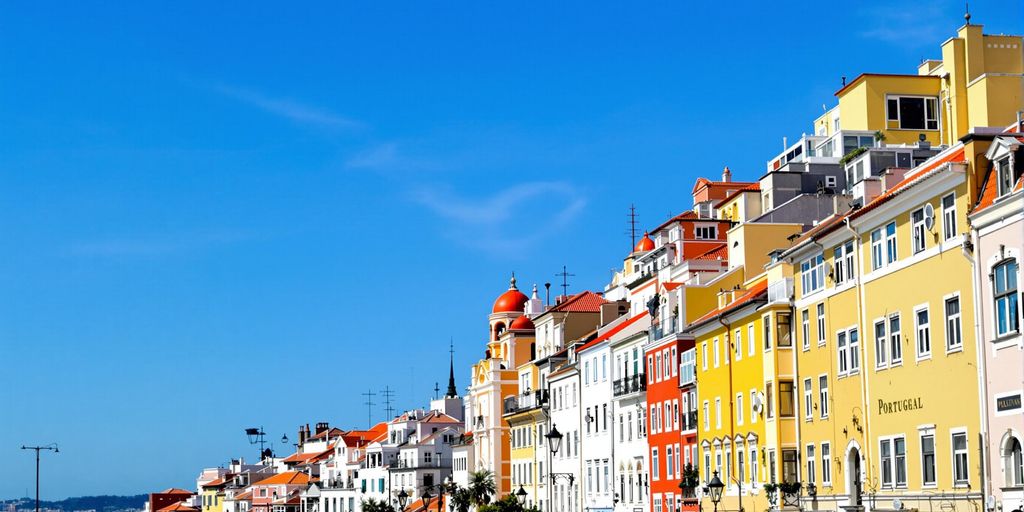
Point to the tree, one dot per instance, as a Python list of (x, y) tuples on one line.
[(461, 499), (372, 505), (481, 486)]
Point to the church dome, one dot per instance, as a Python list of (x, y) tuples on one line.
[(523, 323), (645, 244), (512, 300)]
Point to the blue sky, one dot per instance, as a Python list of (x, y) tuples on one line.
[(217, 216)]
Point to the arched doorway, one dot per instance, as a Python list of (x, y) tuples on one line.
[(853, 476)]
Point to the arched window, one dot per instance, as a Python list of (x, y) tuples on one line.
[(1014, 463), (498, 329)]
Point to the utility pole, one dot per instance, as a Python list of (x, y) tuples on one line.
[(52, 447)]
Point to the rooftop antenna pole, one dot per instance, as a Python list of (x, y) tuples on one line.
[(51, 447), (437, 389), (632, 216), (369, 407), (547, 294), (388, 395), (565, 275)]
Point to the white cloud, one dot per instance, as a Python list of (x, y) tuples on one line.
[(517, 217), (289, 109)]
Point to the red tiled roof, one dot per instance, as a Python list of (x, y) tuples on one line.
[(707, 182), (753, 187), (720, 252), (671, 285), (439, 417), (583, 302), (178, 507), (753, 293), (247, 495), (286, 478), (175, 490), (611, 332), (331, 432), (217, 482)]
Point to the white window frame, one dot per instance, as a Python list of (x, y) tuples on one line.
[(823, 396), (739, 408), (718, 351), (825, 452), (842, 263), (1006, 302), (953, 433), (751, 340), (948, 216), (812, 274), (805, 327), (895, 340), (808, 399), (922, 434), (810, 452), (881, 343), (926, 329), (933, 100), (893, 462), (918, 231), (953, 343), (820, 312)]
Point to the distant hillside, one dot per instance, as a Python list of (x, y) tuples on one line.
[(97, 503)]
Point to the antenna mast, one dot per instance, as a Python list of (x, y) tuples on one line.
[(565, 275), (369, 407), (632, 216), (388, 395)]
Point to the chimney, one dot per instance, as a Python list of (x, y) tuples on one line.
[(321, 427), (302, 435), (726, 174), (612, 310)]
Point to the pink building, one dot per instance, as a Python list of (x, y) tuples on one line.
[(279, 493), (998, 237)]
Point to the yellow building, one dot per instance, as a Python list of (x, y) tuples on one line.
[(890, 412), (977, 82), (527, 422), (212, 495)]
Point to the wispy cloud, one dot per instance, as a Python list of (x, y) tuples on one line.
[(391, 158), (378, 157), (498, 223), (289, 109), (154, 245)]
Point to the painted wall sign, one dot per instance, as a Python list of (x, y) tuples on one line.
[(894, 406), (1007, 403)]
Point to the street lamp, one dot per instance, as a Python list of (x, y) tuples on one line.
[(521, 496), (284, 439), (256, 435), (403, 497), (426, 499), (554, 438), (714, 489), (52, 447)]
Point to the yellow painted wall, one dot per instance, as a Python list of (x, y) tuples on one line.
[(750, 243), (863, 105)]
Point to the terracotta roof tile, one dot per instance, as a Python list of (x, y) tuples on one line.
[(583, 302), (611, 332), (286, 478), (719, 252), (175, 490)]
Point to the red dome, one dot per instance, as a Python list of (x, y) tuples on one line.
[(645, 244), (523, 323), (512, 300)]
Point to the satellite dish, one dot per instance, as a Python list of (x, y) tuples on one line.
[(897, 504), (929, 216), (757, 403)]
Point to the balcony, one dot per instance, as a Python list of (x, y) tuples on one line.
[(338, 483), (663, 329), (687, 373), (433, 463), (526, 401), (689, 420), (780, 290), (627, 385)]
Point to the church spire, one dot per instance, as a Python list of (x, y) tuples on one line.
[(452, 391)]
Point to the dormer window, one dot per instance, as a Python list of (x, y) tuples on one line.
[(1007, 178)]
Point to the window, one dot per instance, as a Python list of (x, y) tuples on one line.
[(739, 408), (767, 323), (1014, 463), (960, 472), (789, 466), (928, 459), (751, 345), (706, 232), (881, 345), (769, 400), (669, 462), (810, 464), (842, 263), (877, 261), (1004, 277), (924, 341), (854, 349), (657, 364), (895, 345), (812, 274), (782, 330), (821, 324), (707, 422), (917, 229), (893, 456), (738, 343), (718, 351), (948, 217), (808, 399), (786, 399), (739, 464), (586, 373), (1007, 176), (823, 395), (912, 112), (805, 328), (753, 467), (826, 464), (718, 413), (890, 243), (703, 355), (954, 340), (844, 363)]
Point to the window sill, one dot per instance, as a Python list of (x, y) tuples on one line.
[(955, 350), (923, 358)]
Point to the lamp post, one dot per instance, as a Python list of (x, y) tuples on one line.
[(714, 489), (403, 498), (426, 497), (521, 496), (52, 447), (554, 438), (256, 435)]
